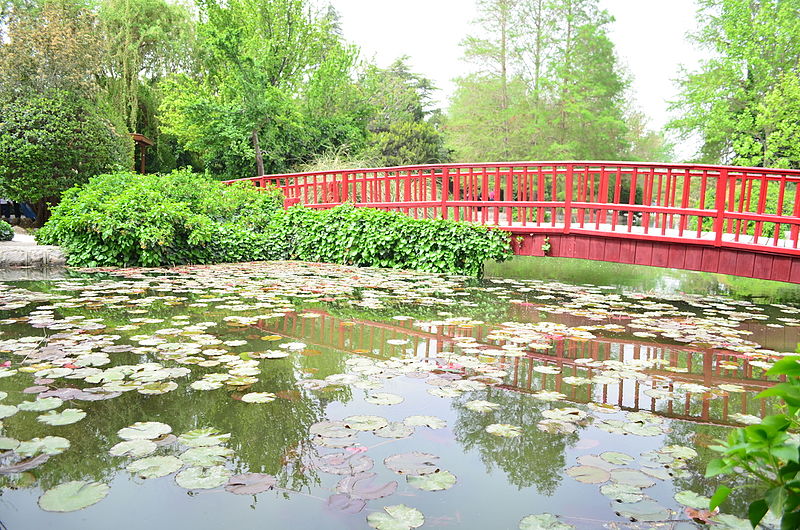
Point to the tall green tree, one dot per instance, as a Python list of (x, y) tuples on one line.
[(754, 47), (548, 84), (242, 112)]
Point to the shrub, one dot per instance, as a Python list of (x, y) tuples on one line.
[(126, 219), (375, 238), (6, 232)]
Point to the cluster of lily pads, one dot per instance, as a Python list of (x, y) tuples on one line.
[(77, 358)]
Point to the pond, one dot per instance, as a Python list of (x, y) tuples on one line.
[(301, 395)]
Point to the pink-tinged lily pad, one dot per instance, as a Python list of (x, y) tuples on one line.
[(250, 483)]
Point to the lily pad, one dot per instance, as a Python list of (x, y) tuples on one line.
[(144, 430), (622, 492), (543, 521), (250, 483), (259, 397), (8, 444), (397, 517), (208, 456), (203, 437), (72, 496), (155, 466), (41, 405), (345, 503), (65, 417), (588, 474), (134, 448), (692, 500), (614, 457), (6, 411), (49, 445), (203, 478), (504, 429), (432, 482), (631, 477), (425, 421), (413, 463), (331, 429), (384, 398), (395, 429), (362, 486), (345, 464), (645, 510), (365, 423)]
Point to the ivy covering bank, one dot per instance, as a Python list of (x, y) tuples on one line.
[(126, 219)]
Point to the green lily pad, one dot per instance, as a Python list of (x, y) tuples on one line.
[(614, 457), (622, 492), (6, 411), (365, 423), (8, 444), (397, 517), (645, 510), (72, 496), (395, 429), (384, 398), (208, 456), (726, 521), (425, 421), (692, 500), (197, 478), (155, 466), (643, 429), (543, 521), (65, 417), (588, 474), (41, 405), (504, 429), (134, 448), (49, 445), (432, 482), (3, 395), (144, 430), (331, 429), (203, 437), (631, 477), (480, 405), (259, 397)]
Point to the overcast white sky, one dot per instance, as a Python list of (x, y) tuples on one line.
[(649, 37)]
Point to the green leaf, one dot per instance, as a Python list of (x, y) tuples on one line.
[(397, 517), (756, 511), (72, 496), (719, 497)]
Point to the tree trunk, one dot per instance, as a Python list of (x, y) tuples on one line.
[(42, 211), (259, 156)]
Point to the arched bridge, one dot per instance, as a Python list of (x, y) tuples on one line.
[(725, 219)]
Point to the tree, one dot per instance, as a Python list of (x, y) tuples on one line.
[(52, 142), (255, 56), (548, 85), (754, 45), (403, 127)]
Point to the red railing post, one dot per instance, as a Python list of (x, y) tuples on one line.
[(445, 190), (719, 206), (568, 199)]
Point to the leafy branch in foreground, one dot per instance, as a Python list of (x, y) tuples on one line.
[(768, 452)]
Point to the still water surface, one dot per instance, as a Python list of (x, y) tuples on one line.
[(583, 390)]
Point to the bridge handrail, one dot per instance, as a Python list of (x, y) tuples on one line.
[(700, 204)]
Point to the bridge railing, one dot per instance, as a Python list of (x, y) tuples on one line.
[(723, 206)]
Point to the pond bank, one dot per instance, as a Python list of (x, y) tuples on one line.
[(22, 251)]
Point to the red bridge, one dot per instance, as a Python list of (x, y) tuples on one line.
[(724, 219)]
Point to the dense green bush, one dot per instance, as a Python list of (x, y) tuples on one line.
[(374, 238), (127, 219), (6, 232)]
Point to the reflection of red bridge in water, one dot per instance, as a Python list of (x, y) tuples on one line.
[(731, 220), (704, 366)]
